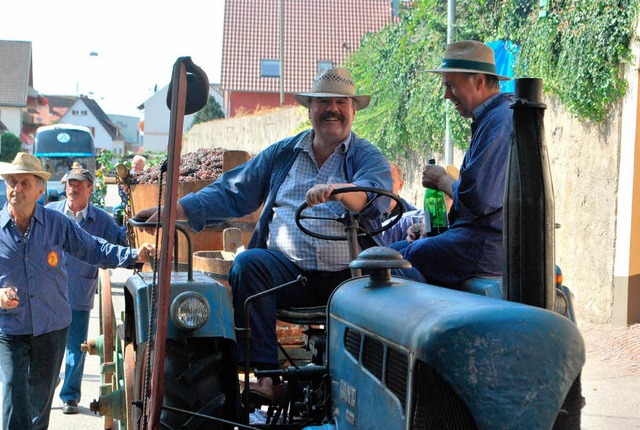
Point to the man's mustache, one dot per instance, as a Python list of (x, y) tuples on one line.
[(331, 115)]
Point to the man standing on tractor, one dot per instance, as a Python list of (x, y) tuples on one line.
[(473, 243), (35, 315), (308, 166), (83, 278)]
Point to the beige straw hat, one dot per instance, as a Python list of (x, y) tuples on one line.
[(469, 56), (24, 163), (333, 83)]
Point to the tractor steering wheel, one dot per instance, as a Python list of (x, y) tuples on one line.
[(350, 219)]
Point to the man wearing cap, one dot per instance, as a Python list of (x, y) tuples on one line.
[(83, 278), (34, 307), (473, 244), (308, 166)]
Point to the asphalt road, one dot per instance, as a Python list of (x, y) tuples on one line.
[(610, 389)]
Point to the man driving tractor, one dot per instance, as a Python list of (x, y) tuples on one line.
[(306, 167)]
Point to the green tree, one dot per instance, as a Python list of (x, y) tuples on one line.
[(575, 46), (10, 145), (211, 111)]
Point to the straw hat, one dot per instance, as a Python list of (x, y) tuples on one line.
[(469, 56), (333, 83), (24, 163)]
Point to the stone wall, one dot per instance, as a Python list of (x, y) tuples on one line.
[(250, 133), (584, 166), (584, 162)]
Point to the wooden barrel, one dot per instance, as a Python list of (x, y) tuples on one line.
[(215, 264)]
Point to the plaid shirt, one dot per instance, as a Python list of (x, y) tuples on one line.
[(307, 252)]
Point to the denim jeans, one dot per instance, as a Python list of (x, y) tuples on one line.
[(256, 270), (74, 362), (30, 366)]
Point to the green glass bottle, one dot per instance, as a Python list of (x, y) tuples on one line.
[(435, 204)]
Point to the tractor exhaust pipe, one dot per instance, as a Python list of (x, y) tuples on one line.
[(528, 235)]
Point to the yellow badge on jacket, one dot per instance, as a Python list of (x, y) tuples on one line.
[(52, 259)]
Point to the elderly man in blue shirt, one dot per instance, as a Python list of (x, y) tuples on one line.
[(308, 166), (83, 278), (34, 307), (473, 244)]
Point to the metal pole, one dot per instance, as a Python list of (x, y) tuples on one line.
[(281, 52), (448, 144)]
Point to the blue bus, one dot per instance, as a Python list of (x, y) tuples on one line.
[(58, 147)]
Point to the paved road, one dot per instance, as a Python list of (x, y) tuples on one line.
[(611, 377)]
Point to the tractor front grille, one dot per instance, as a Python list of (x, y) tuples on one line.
[(396, 376), (372, 356), (377, 357), (352, 342), (436, 404)]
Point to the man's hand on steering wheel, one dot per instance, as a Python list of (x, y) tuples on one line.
[(354, 215), (322, 192)]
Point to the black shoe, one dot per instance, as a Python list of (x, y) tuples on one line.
[(70, 407)]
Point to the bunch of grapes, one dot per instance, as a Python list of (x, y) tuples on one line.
[(204, 164)]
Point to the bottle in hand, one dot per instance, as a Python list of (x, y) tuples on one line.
[(436, 206)]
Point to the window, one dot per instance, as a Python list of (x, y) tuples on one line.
[(324, 65), (270, 68)]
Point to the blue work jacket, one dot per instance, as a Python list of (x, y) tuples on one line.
[(83, 278), (36, 267)]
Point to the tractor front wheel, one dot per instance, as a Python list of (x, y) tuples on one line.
[(192, 383)]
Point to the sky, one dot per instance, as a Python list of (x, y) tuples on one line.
[(116, 52)]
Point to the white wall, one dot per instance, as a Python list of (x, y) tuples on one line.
[(157, 120), (102, 138), (11, 117)]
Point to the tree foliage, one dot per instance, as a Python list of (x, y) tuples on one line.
[(576, 47), (210, 112), (10, 145)]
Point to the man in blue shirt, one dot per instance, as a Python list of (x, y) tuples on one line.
[(34, 305), (473, 244), (83, 278), (308, 166)]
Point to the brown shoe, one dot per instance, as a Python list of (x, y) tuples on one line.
[(265, 392)]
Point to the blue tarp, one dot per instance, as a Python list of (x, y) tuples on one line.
[(505, 52)]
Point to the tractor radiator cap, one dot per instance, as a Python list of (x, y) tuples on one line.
[(380, 257)]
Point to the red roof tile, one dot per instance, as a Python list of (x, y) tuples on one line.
[(315, 30)]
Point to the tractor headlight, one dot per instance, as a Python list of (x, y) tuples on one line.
[(190, 311)]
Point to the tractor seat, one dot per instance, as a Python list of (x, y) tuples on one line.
[(312, 315), (484, 285)]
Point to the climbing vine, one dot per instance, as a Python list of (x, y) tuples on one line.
[(575, 46)]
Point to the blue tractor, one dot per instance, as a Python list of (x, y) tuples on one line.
[(390, 353)]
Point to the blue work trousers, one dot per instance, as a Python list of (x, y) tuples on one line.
[(74, 361), (30, 366), (257, 270)]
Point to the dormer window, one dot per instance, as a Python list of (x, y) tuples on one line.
[(324, 65), (270, 68)]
